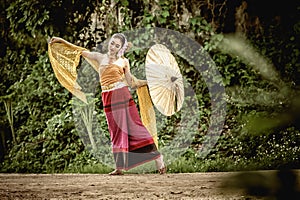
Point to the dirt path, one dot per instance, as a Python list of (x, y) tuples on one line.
[(129, 186)]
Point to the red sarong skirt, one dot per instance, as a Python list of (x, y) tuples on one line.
[(132, 144)]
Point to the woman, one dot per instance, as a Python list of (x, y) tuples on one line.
[(132, 144)]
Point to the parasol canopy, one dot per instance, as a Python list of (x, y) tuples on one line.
[(164, 80)]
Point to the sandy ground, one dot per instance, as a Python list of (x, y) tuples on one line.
[(218, 185)]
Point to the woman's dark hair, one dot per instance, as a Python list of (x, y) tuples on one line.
[(120, 36)]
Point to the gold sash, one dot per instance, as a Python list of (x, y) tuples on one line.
[(64, 61)]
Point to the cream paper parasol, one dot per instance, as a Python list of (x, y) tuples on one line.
[(164, 80)]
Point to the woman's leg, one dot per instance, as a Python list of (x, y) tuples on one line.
[(161, 167)]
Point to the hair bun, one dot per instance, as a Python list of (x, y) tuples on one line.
[(129, 45)]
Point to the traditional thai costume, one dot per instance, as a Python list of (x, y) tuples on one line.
[(132, 144), (134, 139)]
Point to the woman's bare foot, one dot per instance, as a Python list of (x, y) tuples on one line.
[(116, 172), (162, 170)]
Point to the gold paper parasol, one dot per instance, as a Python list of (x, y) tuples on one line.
[(164, 80)]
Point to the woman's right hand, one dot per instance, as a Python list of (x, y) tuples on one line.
[(55, 39)]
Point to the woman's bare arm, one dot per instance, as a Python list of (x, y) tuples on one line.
[(94, 57), (132, 81), (91, 55), (128, 75)]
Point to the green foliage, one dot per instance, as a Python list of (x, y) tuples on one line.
[(50, 151)]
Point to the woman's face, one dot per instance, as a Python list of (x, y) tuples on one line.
[(114, 46)]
